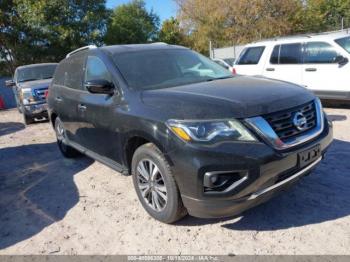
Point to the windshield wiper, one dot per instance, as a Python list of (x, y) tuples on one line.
[(218, 78)]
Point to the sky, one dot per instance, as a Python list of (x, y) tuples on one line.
[(163, 8)]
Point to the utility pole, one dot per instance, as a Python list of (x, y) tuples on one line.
[(210, 50), (342, 23)]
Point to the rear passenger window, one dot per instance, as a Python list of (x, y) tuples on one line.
[(290, 54), (287, 54), (70, 71), (251, 56), (275, 55), (319, 53)]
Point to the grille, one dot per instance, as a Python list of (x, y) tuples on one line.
[(40, 93), (282, 122)]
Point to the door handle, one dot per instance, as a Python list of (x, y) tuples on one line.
[(58, 99), (270, 69), (311, 69), (82, 107)]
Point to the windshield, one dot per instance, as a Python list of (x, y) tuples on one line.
[(344, 43), (166, 68), (35, 73)]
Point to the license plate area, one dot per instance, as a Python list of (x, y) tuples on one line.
[(308, 156)]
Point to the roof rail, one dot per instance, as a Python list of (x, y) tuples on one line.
[(308, 35), (81, 49)]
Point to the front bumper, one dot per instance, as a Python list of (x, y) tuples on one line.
[(269, 172), (36, 110)]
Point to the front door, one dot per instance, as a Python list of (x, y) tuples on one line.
[(99, 132), (321, 71)]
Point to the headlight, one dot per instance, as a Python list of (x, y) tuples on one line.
[(210, 131), (27, 96)]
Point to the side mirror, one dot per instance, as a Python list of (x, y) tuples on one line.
[(341, 60), (10, 83), (100, 86)]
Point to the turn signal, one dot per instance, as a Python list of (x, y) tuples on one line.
[(181, 133)]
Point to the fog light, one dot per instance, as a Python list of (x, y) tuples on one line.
[(221, 181)]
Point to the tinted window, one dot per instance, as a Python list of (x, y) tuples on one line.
[(290, 54), (319, 53), (251, 56), (275, 55), (96, 70), (70, 71), (151, 69), (344, 43)]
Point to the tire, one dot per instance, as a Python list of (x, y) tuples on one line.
[(66, 150), (159, 195), (27, 119)]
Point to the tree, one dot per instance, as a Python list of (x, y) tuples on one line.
[(325, 15), (131, 24), (34, 31), (228, 22), (172, 33)]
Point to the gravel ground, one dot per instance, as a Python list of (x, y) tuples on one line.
[(51, 205)]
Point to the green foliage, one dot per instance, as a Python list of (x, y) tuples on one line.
[(325, 15), (45, 30), (172, 33), (131, 24)]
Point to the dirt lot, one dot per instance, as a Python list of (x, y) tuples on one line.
[(50, 205)]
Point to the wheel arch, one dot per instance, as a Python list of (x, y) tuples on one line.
[(134, 141)]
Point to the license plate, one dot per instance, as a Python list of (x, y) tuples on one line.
[(309, 156)]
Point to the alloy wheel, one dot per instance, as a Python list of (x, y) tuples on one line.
[(151, 184)]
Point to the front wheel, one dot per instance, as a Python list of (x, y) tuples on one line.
[(65, 149), (155, 185), (27, 119)]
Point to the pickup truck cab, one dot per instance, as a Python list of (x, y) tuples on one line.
[(30, 82), (319, 62), (195, 138)]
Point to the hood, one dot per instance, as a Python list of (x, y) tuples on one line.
[(237, 97), (44, 83)]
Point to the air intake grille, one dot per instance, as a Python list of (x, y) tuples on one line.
[(283, 124), (39, 93)]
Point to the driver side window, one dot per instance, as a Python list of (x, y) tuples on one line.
[(96, 70), (320, 53)]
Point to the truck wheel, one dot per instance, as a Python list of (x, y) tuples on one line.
[(66, 150), (27, 119), (155, 185)]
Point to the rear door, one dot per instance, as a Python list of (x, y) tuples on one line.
[(285, 63), (67, 91), (250, 61), (321, 71)]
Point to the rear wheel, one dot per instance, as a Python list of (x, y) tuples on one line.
[(155, 185), (65, 149)]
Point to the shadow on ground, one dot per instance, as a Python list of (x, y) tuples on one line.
[(320, 197), (10, 127), (336, 118), (36, 189)]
